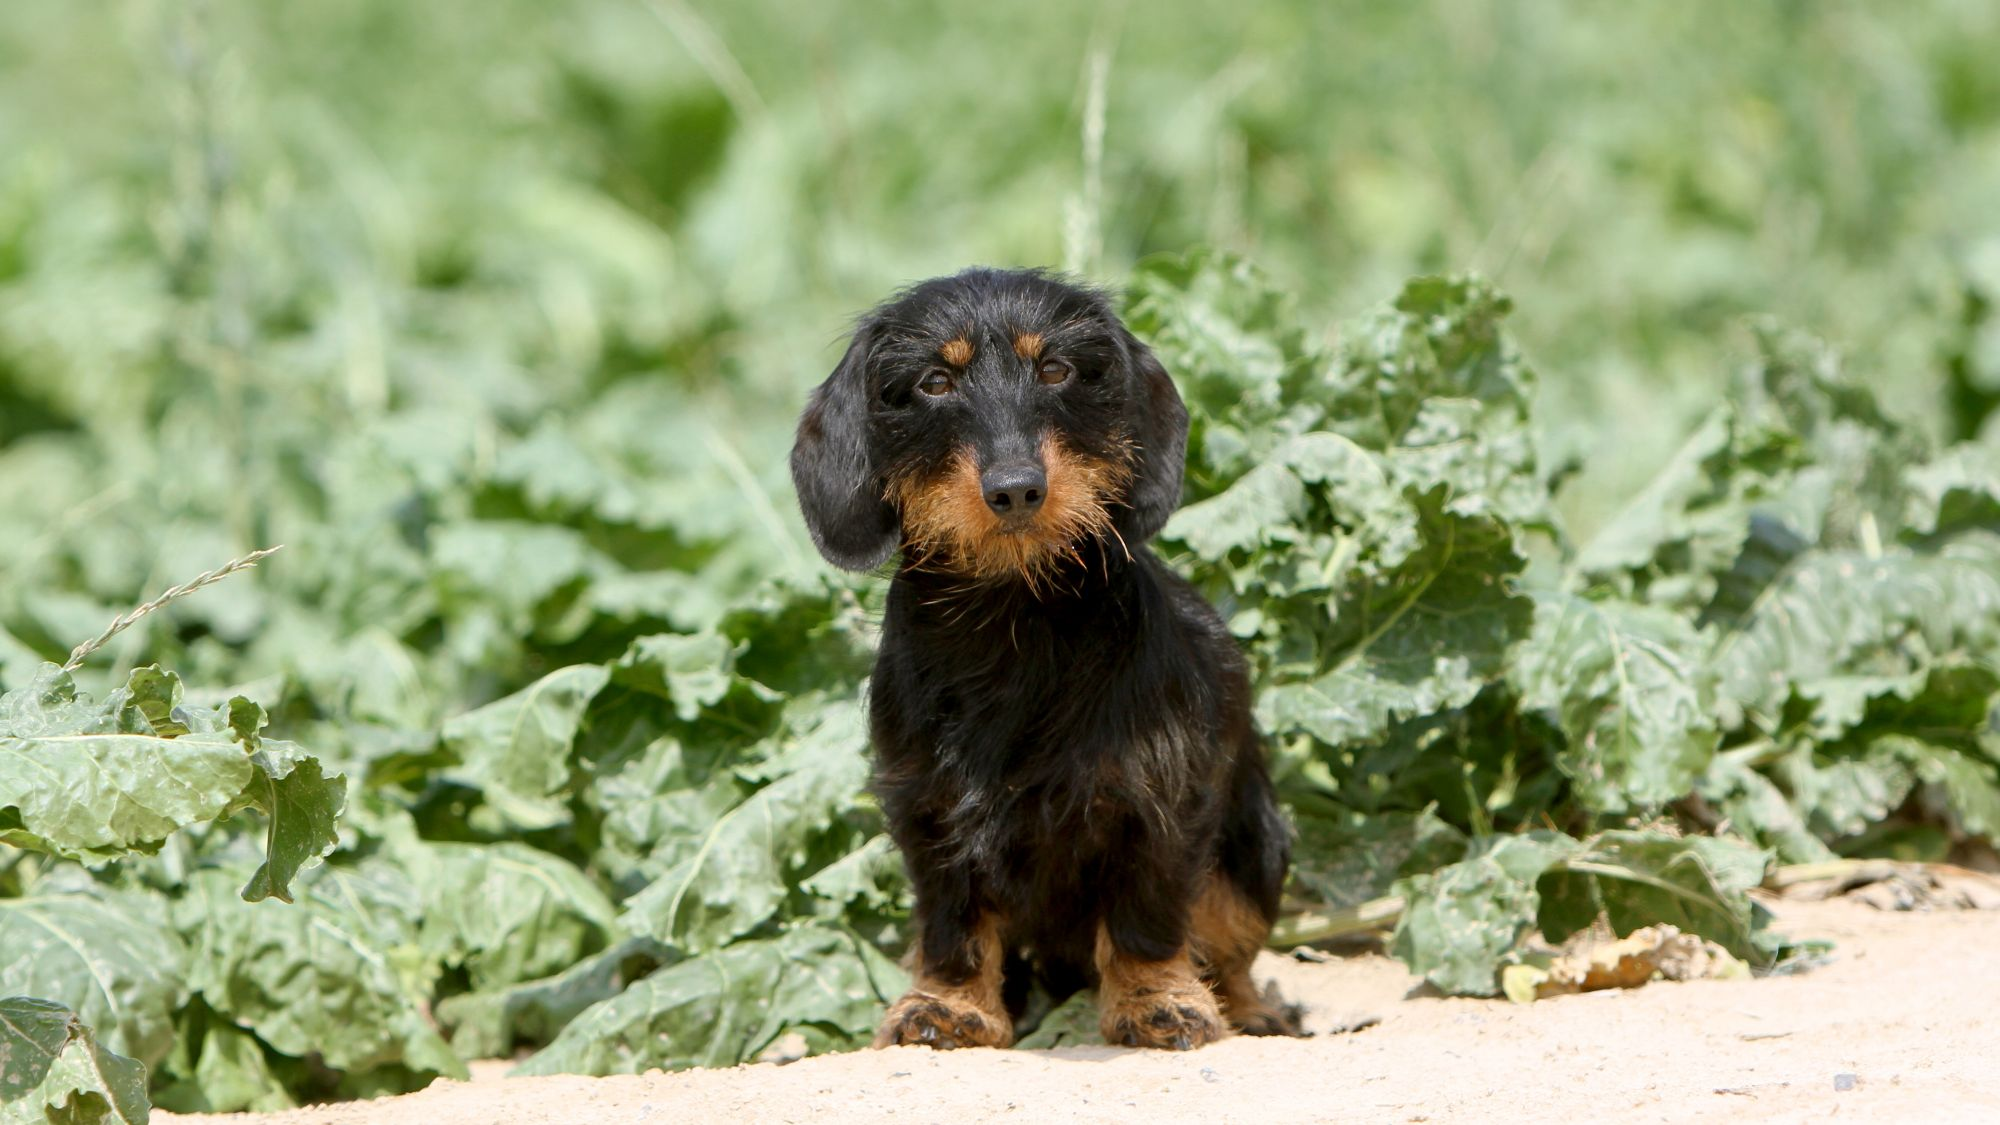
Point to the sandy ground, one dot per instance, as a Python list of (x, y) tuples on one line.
[(1902, 1026)]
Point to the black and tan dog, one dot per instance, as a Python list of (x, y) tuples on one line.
[(1061, 725)]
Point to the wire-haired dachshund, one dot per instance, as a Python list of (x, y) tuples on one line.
[(1062, 733)]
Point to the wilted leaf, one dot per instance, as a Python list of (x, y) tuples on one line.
[(299, 802), (1633, 879), (1463, 923), (1588, 962)]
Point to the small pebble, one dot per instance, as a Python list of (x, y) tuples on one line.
[(1208, 1074), (1844, 1082)]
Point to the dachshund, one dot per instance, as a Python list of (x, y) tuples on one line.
[(1064, 750)]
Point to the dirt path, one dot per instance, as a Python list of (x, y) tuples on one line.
[(1903, 1026)]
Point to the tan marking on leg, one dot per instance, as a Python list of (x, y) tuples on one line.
[(943, 1014), (957, 351), (1028, 345), (1225, 932), (1153, 1003)]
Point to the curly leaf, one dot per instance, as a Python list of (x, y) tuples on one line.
[(1461, 921), (488, 1024), (1956, 491), (1442, 393), (1840, 630), (51, 1069), (77, 781), (691, 671), (505, 912), (318, 978), (1626, 684), (111, 958), (301, 805), (738, 872), (725, 1007), (1422, 637), (516, 750)]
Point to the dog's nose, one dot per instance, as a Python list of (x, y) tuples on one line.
[(1014, 490)]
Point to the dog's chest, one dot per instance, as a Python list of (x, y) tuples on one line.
[(1033, 830), (1027, 796), (1031, 734)]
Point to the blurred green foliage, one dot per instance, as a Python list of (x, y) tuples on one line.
[(498, 315), (706, 191)]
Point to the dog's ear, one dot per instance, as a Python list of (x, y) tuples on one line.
[(833, 467), (1161, 432)]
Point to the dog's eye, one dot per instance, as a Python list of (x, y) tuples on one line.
[(935, 383), (1054, 371)]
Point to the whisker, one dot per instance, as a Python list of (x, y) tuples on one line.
[(1113, 528)]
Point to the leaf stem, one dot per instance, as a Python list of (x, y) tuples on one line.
[(1312, 926)]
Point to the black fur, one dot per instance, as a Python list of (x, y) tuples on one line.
[(1076, 752), (835, 471)]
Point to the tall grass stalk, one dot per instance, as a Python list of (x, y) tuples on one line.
[(82, 652)]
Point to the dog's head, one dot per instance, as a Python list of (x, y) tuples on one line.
[(989, 423)]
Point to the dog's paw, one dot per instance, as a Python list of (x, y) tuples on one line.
[(1175, 1019), (1267, 1020), (1268, 1013), (926, 1019)]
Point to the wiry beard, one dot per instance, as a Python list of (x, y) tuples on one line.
[(948, 527)]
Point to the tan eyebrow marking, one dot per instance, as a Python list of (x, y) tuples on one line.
[(957, 352), (1028, 345)]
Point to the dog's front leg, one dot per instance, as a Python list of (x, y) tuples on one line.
[(1149, 993), (955, 999)]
